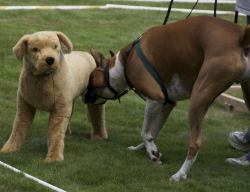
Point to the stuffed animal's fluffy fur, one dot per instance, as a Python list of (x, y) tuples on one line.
[(51, 81)]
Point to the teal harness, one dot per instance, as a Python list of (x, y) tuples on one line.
[(149, 67)]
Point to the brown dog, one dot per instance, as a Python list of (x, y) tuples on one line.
[(51, 81), (197, 58)]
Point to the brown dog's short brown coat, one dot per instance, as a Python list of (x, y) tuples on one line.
[(197, 58), (51, 81)]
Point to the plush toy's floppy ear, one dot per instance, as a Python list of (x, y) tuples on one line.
[(66, 43), (20, 48)]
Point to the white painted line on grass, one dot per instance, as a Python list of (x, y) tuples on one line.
[(133, 7), (185, 1), (51, 7), (114, 6), (32, 178)]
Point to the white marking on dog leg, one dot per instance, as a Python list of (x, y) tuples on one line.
[(184, 170), (32, 178), (159, 122), (136, 148), (161, 119), (152, 112)]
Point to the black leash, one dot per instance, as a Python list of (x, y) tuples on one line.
[(170, 7), (168, 12), (236, 17), (215, 7), (192, 9)]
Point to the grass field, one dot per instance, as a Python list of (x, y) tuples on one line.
[(107, 165)]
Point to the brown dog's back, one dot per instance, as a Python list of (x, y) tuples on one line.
[(182, 47), (190, 40)]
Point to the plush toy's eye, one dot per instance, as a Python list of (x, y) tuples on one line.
[(55, 46), (35, 49)]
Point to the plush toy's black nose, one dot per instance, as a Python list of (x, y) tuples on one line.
[(50, 60)]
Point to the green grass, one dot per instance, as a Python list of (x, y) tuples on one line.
[(108, 165)]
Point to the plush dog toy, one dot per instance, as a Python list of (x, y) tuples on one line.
[(51, 81)]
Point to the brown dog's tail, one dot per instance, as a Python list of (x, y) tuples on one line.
[(245, 41)]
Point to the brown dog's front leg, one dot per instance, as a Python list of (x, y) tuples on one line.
[(56, 133), (24, 117), (96, 116)]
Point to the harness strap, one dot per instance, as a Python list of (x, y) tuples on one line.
[(149, 67), (153, 72), (127, 52)]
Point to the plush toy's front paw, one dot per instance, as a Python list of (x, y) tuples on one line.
[(178, 176), (9, 148), (96, 137), (53, 158)]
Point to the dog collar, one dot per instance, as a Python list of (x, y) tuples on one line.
[(60, 58), (50, 72)]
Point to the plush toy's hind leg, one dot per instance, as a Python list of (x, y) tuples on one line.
[(96, 116)]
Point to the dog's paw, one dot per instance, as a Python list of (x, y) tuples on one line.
[(9, 149), (50, 159), (155, 156), (99, 137), (178, 176), (153, 152)]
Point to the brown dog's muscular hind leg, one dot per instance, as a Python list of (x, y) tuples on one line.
[(210, 83), (24, 117)]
